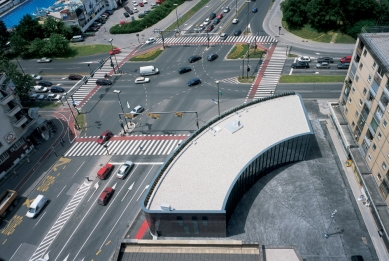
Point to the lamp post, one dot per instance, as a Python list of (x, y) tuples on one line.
[(178, 25), (75, 120), (248, 12), (118, 92), (208, 39), (248, 59), (112, 65), (325, 234), (137, 35), (236, 4), (90, 70), (110, 40), (9, 44), (218, 96)]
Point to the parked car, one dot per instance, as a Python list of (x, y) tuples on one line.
[(152, 6), (125, 169), (134, 3), (104, 171), (110, 12), (300, 65), (254, 10), (343, 65), (144, 1), (39, 88), (184, 70), (54, 97), (104, 137), (237, 32), (212, 57), (346, 59), (44, 60), (226, 9), (36, 77), (194, 81), (137, 110), (41, 97), (325, 60), (194, 58), (115, 51), (135, 10), (103, 82), (216, 21), (235, 21), (141, 4), (56, 89), (141, 15), (150, 40), (75, 77), (127, 9), (142, 80), (45, 83), (126, 14), (323, 65), (33, 97), (304, 59), (105, 196), (223, 36), (212, 16), (210, 27)]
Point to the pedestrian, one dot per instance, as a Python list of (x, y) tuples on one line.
[(140, 147), (87, 178)]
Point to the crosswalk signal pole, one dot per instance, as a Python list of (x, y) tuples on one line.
[(208, 38), (75, 120)]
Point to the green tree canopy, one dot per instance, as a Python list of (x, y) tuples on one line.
[(4, 34), (52, 26), (29, 28), (294, 12)]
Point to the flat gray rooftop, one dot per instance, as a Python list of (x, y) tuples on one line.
[(199, 179)]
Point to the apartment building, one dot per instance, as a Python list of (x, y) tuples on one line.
[(364, 102)]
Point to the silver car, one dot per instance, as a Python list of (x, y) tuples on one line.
[(124, 169), (322, 66)]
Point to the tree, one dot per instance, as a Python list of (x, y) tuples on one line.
[(29, 28), (294, 12), (320, 14), (354, 13), (4, 34), (52, 26), (56, 45), (357, 28), (18, 44)]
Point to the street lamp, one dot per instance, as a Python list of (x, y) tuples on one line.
[(110, 40), (248, 59), (248, 12), (75, 120), (9, 44), (218, 94), (90, 70), (137, 35), (178, 25), (118, 92)]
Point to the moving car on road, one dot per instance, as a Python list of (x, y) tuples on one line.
[(343, 65), (237, 32), (105, 196), (194, 58), (254, 10), (56, 89), (104, 171), (223, 36), (36, 77), (103, 82), (105, 137), (300, 65), (125, 169), (346, 59), (45, 83), (323, 65), (75, 77), (137, 110), (226, 10), (194, 82), (44, 60), (212, 57), (142, 80), (212, 16), (210, 27), (216, 21), (235, 21), (114, 51), (184, 70), (325, 60), (150, 40)]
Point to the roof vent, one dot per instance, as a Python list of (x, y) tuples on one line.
[(165, 207)]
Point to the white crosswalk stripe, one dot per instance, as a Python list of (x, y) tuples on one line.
[(216, 39), (61, 221), (86, 89), (123, 147), (272, 74), (233, 80)]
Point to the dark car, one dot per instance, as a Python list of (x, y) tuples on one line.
[(194, 58), (105, 137), (131, 12), (237, 32), (210, 28), (103, 82), (325, 60), (57, 89), (194, 82), (75, 77), (343, 65), (216, 21), (300, 65), (141, 15), (357, 258), (45, 83), (212, 16), (184, 70), (254, 10), (127, 9), (126, 14), (110, 12), (212, 56), (105, 196)]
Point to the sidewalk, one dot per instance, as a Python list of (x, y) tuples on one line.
[(273, 21)]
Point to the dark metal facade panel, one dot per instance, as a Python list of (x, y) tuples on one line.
[(359, 161), (374, 192)]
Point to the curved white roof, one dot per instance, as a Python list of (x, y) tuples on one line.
[(199, 179)]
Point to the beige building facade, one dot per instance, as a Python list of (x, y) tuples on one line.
[(364, 103)]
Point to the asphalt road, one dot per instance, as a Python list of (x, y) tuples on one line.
[(328, 91), (312, 70)]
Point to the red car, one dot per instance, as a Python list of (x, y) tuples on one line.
[(114, 51), (105, 137), (210, 28), (220, 16), (141, 4), (104, 171), (105, 196)]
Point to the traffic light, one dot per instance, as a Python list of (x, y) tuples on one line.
[(248, 69), (179, 114)]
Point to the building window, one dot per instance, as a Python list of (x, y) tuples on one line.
[(353, 124), (379, 177), (379, 136), (353, 90), (356, 114), (384, 123), (360, 66), (364, 52), (346, 111), (369, 157), (369, 78), (374, 65), (356, 78), (374, 147), (349, 100), (360, 102), (364, 91)]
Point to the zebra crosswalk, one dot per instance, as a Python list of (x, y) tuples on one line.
[(162, 146), (216, 40)]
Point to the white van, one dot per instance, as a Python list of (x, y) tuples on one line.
[(39, 88), (77, 38), (148, 70), (36, 206)]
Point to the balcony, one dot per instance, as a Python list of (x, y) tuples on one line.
[(368, 103), (20, 122), (371, 129), (378, 78), (6, 99), (359, 50), (13, 111)]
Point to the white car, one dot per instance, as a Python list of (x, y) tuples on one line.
[(150, 40), (36, 77), (134, 3), (207, 21), (44, 60), (226, 10), (304, 59), (54, 97), (145, 1), (235, 21), (142, 80), (135, 10), (124, 169)]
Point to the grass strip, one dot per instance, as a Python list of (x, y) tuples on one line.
[(188, 14), (149, 56), (246, 80), (311, 78), (239, 51), (85, 50), (81, 120)]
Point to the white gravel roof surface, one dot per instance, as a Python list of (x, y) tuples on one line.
[(199, 179)]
